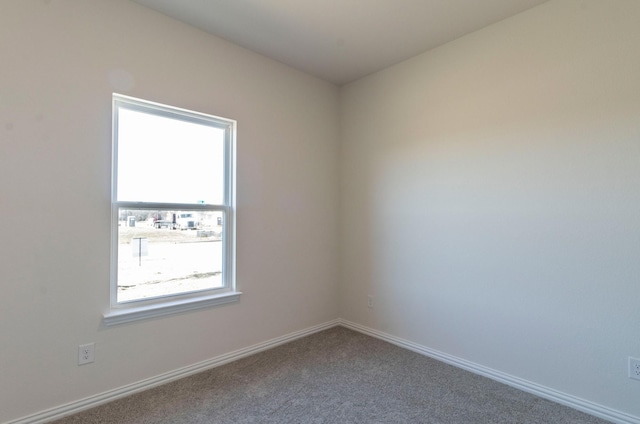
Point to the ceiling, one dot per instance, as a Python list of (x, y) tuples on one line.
[(340, 40)]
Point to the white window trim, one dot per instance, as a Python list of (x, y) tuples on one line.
[(122, 316), (125, 312)]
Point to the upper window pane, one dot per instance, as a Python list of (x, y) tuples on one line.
[(169, 160)]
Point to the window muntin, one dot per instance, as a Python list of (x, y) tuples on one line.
[(172, 204)]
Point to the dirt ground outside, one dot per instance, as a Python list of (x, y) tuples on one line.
[(173, 261)]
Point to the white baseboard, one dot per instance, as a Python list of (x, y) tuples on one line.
[(111, 395), (524, 385)]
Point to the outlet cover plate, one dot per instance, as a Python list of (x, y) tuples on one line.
[(634, 368), (86, 353)]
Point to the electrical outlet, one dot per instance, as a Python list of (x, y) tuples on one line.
[(86, 353), (634, 368), (370, 301)]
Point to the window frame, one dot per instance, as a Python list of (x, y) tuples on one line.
[(121, 312)]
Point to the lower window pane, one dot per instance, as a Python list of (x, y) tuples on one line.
[(164, 253)]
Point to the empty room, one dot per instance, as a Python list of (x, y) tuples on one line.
[(300, 211)]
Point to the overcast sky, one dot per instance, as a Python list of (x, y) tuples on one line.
[(168, 160)]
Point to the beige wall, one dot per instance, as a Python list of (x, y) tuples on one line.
[(60, 62), (486, 191), (490, 199)]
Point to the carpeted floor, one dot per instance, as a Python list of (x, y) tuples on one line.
[(335, 376)]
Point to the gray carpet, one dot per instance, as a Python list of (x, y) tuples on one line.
[(335, 376)]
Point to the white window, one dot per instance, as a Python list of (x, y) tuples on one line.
[(173, 214)]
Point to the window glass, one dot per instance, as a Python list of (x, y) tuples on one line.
[(169, 160), (163, 253)]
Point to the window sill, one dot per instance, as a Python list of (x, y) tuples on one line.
[(122, 316)]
